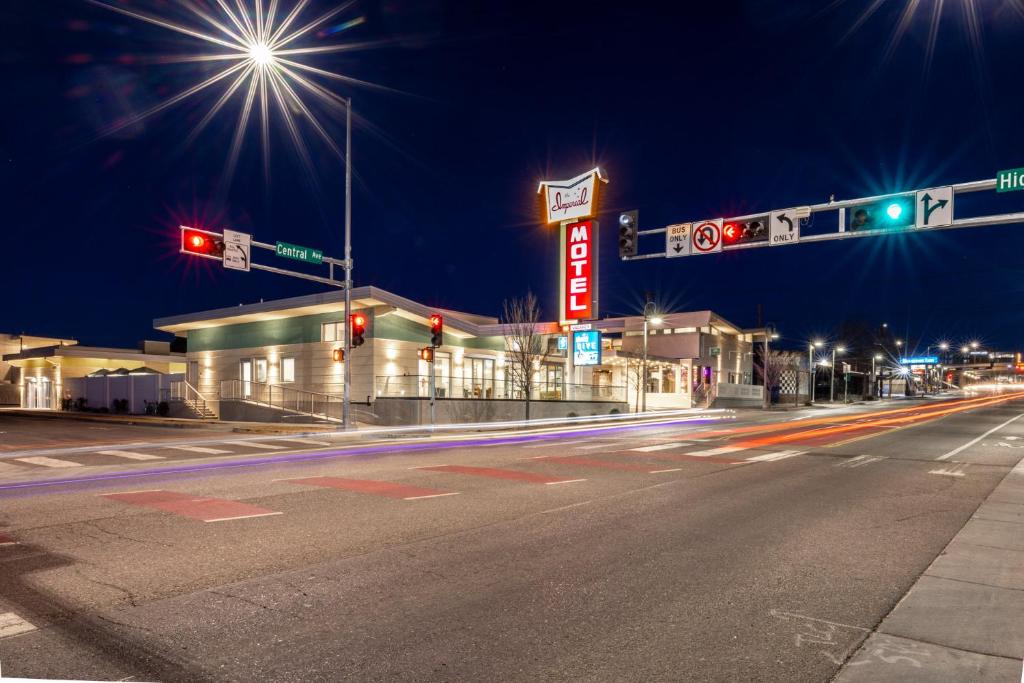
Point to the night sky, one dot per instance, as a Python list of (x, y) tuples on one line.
[(694, 110)]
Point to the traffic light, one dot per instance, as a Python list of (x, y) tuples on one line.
[(358, 329), (740, 232), (201, 243), (338, 355), (436, 330), (427, 354), (628, 226), (888, 213)]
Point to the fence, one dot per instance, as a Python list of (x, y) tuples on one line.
[(418, 386)]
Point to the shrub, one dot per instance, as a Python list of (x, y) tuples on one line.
[(162, 409)]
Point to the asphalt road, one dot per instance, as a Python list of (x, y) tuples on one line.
[(701, 550)]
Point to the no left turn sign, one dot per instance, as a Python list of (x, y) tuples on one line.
[(706, 236)]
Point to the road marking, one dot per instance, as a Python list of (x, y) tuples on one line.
[(847, 463), (563, 481), (254, 444), (48, 462), (957, 470), (868, 461), (11, 625), (590, 462), (7, 540), (674, 469), (199, 449), (860, 461), (772, 457), (659, 447), (494, 473), (720, 451), (131, 455), (194, 507), (974, 441), (314, 442), (387, 489)]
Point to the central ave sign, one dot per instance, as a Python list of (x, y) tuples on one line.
[(578, 280), (566, 200)]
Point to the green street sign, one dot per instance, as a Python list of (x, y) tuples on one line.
[(297, 253), (1010, 180)]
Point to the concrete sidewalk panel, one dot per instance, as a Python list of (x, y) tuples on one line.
[(900, 660), (1008, 535), (1001, 512), (961, 615), (980, 564), (1009, 491)]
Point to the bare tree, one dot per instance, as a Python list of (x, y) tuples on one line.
[(634, 378), (525, 346)]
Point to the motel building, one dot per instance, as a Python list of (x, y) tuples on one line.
[(278, 361)]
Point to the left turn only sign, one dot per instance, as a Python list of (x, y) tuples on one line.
[(237, 249)]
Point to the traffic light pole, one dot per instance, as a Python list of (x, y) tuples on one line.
[(433, 389), (346, 399)]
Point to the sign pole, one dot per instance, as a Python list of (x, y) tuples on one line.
[(346, 400), (433, 387)]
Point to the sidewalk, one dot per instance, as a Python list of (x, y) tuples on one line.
[(964, 618), (180, 422)]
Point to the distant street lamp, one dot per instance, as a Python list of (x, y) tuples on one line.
[(874, 374), (650, 318), (810, 369), (832, 383)]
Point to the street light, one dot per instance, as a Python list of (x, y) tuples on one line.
[(810, 369), (650, 318), (832, 383), (874, 374)]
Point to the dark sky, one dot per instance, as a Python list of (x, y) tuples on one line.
[(694, 110)]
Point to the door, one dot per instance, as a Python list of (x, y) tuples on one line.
[(245, 374), (31, 393), (192, 372), (45, 396)]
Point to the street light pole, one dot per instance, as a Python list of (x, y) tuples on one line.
[(643, 373), (346, 401), (811, 371), (832, 381)]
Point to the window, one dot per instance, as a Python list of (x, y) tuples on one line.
[(287, 369), (332, 332), (261, 370)]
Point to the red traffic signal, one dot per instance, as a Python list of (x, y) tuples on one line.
[(358, 329), (338, 355), (436, 329), (201, 243), (731, 233)]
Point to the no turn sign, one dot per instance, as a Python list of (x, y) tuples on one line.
[(706, 237)]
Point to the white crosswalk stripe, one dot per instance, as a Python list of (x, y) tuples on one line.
[(772, 457), (48, 462), (659, 447), (199, 449), (860, 461), (7, 469), (11, 625), (719, 451), (957, 470), (132, 455), (313, 442), (253, 444)]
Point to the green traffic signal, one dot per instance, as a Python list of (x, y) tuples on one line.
[(890, 213)]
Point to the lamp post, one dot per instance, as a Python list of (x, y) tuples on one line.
[(649, 319), (346, 405), (832, 382), (810, 369), (874, 375)]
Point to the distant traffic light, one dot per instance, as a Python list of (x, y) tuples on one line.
[(358, 329), (629, 223), (427, 354), (201, 243), (338, 355), (436, 330), (740, 232), (889, 213)]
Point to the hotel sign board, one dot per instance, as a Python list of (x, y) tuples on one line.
[(572, 199), (578, 271), (586, 348)]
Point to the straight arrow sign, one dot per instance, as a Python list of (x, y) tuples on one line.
[(935, 207)]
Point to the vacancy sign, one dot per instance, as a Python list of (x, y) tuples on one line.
[(578, 300), (567, 200)]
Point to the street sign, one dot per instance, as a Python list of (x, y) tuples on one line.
[(920, 360), (1010, 180), (677, 240), (783, 227), (707, 236), (935, 207), (715, 351), (297, 253), (237, 250)]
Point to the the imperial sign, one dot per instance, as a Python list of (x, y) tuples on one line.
[(566, 200), (578, 300)]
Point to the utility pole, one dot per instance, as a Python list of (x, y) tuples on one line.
[(346, 400)]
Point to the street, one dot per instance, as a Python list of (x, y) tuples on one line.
[(710, 547)]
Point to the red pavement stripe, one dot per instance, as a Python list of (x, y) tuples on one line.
[(376, 488), (195, 507), (592, 462), (6, 540), (513, 475)]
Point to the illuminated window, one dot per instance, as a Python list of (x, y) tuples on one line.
[(261, 370), (332, 332), (287, 369)]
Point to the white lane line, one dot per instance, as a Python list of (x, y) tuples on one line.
[(772, 457), (659, 447), (48, 462), (11, 625), (253, 444), (228, 519), (719, 451), (674, 469), (566, 481), (313, 442), (867, 462), (131, 455), (974, 441), (199, 449), (433, 495)]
